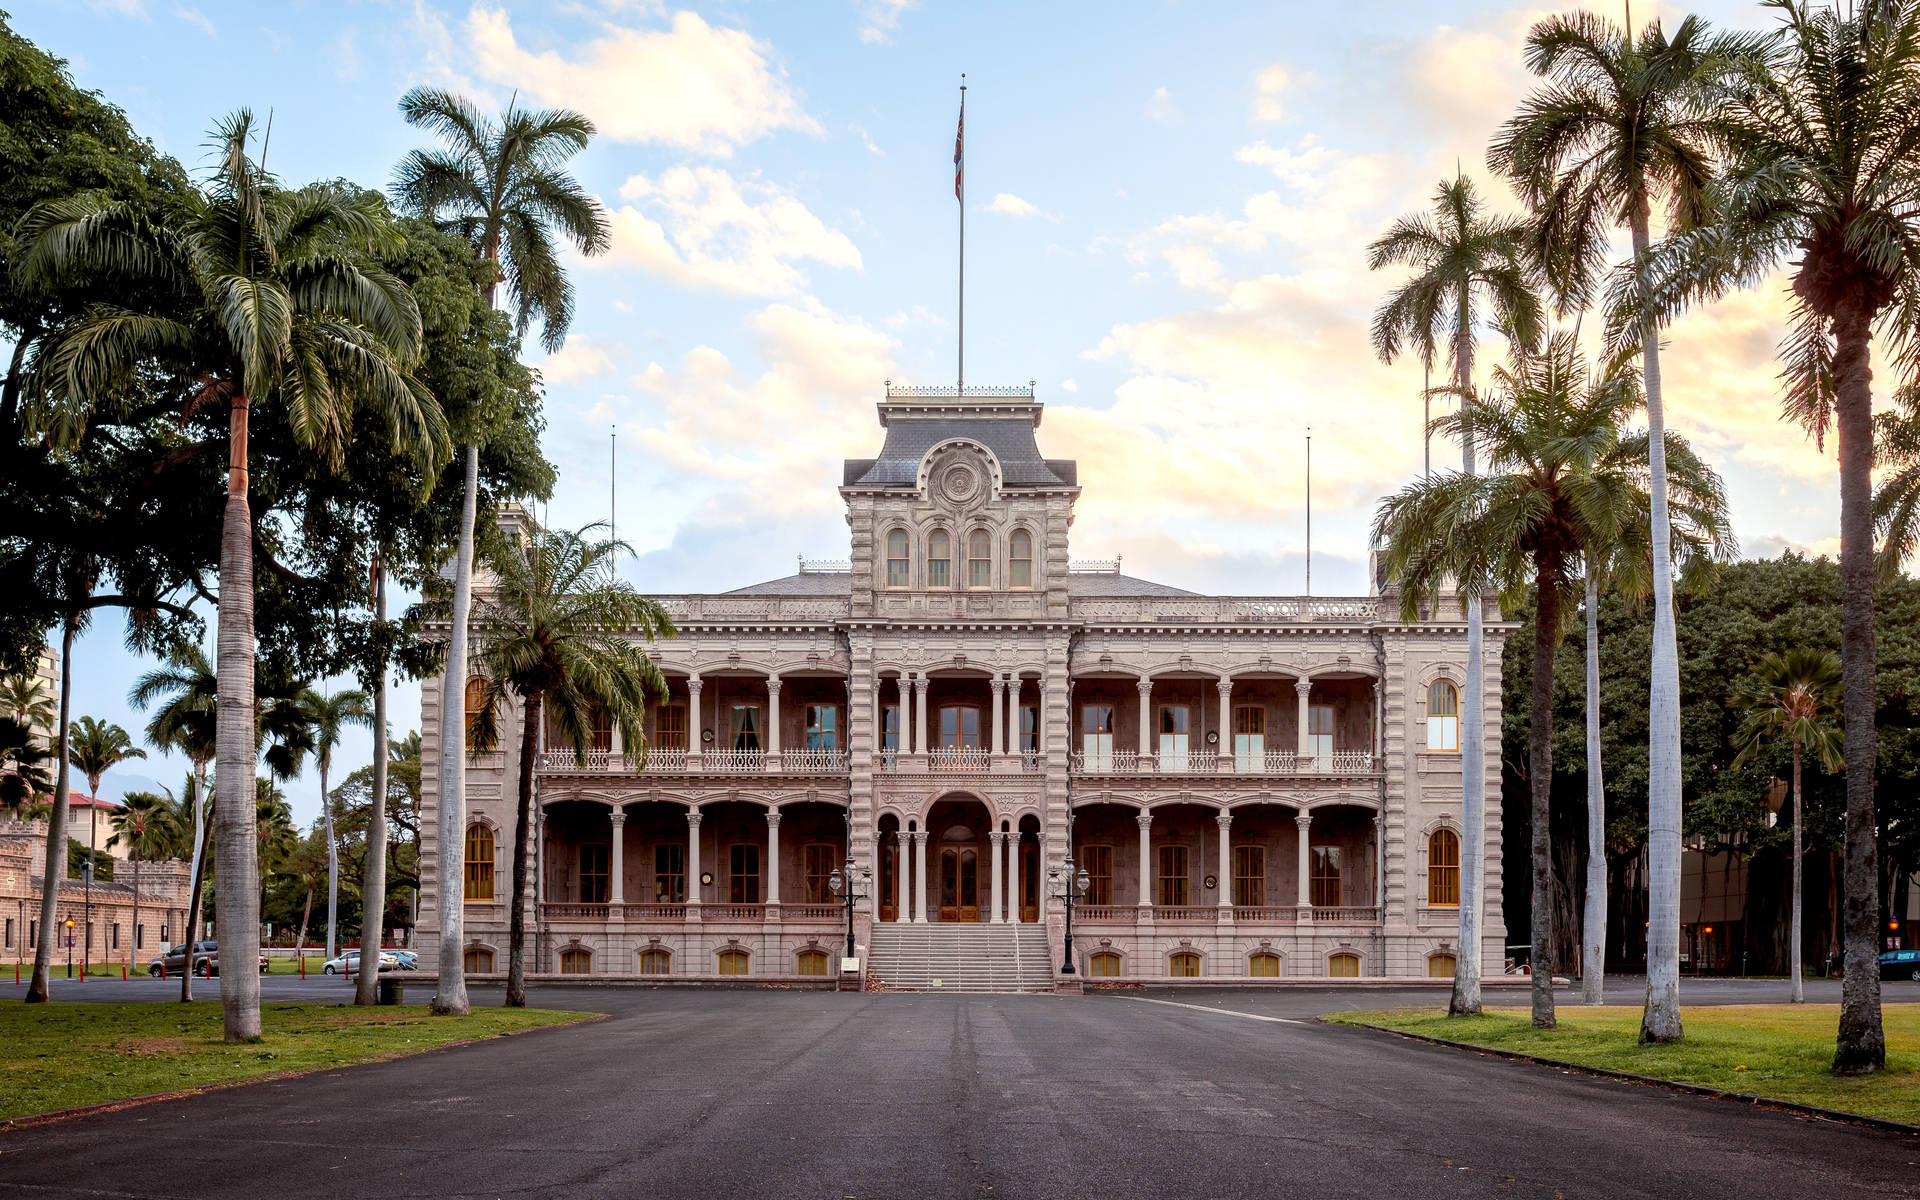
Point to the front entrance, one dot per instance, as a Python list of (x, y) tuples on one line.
[(959, 884), (958, 866)]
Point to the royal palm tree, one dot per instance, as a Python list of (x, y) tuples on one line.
[(556, 634), (97, 747), (1793, 696), (275, 838), (1823, 178), (1469, 265), (145, 824), (1622, 125), (373, 875), (1562, 481), (502, 185), (327, 717), (262, 296), (24, 698)]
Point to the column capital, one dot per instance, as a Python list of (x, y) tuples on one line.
[(997, 835), (773, 816), (1224, 819), (1303, 685), (694, 680), (1224, 684), (1144, 684), (1144, 819), (920, 836), (773, 684), (1303, 818), (693, 818), (618, 817)]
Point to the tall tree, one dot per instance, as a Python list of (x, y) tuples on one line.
[(1793, 696), (266, 300), (557, 633), (1622, 125), (328, 717), (98, 747), (373, 877), (1467, 265), (187, 693), (1822, 177), (503, 185), (144, 824), (1562, 482)]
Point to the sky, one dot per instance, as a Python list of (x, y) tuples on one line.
[(1167, 212)]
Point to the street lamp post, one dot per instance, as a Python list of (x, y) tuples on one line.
[(67, 930), (847, 885), (1069, 883), (86, 874)]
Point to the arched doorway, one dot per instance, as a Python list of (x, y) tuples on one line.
[(959, 862)]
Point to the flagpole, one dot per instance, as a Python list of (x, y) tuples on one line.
[(1309, 510), (960, 194)]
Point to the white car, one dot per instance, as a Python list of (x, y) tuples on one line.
[(350, 962)]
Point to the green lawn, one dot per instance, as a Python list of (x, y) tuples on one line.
[(61, 1055), (1776, 1050)]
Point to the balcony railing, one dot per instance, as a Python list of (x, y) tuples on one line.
[(1270, 762), (733, 912), (1206, 914), (812, 912), (577, 912), (962, 758), (680, 762), (1346, 915), (899, 762), (813, 762)]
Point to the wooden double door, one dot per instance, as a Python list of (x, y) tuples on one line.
[(960, 887)]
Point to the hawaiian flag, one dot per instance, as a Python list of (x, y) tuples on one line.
[(959, 139)]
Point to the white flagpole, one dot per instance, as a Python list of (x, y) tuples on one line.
[(960, 190), (1309, 510)]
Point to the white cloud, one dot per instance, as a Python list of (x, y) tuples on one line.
[(879, 19), (1069, 386), (195, 18), (1269, 86), (703, 227), (866, 139), (124, 8), (1161, 108), (693, 86), (580, 358), (1007, 204)]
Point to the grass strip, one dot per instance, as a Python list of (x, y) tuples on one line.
[(1774, 1051), (67, 1055)]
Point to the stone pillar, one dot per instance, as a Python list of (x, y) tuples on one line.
[(1145, 820), (773, 858), (999, 844), (695, 726), (1144, 746), (1225, 821), (920, 743), (1013, 878), (999, 743), (1225, 688), (693, 864), (1304, 886), (1013, 715), (617, 894), (615, 753), (920, 875), (1303, 688), (770, 740)]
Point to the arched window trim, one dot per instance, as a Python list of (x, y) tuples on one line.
[(1343, 957), (726, 953), (1433, 961), (645, 952), (1443, 876), (1174, 963), (1017, 579), (576, 960), (898, 539), (1279, 964), (1100, 958), (939, 559), (801, 961), (481, 849), (979, 559), (475, 697), (1443, 716)]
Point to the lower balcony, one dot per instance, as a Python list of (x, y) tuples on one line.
[(557, 912)]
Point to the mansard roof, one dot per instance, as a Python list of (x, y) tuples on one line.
[(1112, 583), (910, 437), (839, 583), (807, 583)]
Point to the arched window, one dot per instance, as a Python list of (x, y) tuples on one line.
[(1344, 966), (1264, 966), (1020, 559), (576, 960), (897, 558), (1103, 964), (1443, 717), (1440, 966), (1443, 869), (479, 962), (733, 962), (479, 862), (655, 961), (979, 559), (476, 695), (939, 559), (1184, 965), (813, 962)]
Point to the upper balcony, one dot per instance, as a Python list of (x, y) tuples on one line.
[(1266, 762), (684, 762)]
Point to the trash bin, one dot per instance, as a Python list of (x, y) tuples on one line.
[(391, 991)]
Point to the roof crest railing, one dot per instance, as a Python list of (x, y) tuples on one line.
[(1094, 566), (909, 391), (824, 566)]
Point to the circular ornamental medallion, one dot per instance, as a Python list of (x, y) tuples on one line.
[(960, 483)]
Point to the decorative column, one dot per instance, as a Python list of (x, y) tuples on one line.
[(693, 863), (617, 895), (1013, 716), (999, 843), (1225, 822), (920, 743), (695, 726), (1304, 889), (1302, 688), (1013, 878), (1225, 688), (920, 875), (773, 862), (1143, 747), (1145, 820), (998, 745), (771, 741)]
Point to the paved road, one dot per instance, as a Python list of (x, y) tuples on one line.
[(809, 1094)]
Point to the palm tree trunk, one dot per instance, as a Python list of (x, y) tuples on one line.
[(1661, 1020), (1862, 1045), (236, 906), (38, 990), (373, 883), (333, 863), (306, 911), (1799, 995), (1593, 942), (1465, 1000), (517, 922), (451, 995), (1546, 634), (202, 833)]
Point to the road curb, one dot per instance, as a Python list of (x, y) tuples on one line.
[(29, 1120), (1748, 1098)]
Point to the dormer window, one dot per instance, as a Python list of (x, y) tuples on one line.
[(979, 559), (897, 559), (939, 559), (1020, 559)]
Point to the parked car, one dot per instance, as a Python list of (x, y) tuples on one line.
[(409, 961), (206, 960), (350, 962), (1900, 964)]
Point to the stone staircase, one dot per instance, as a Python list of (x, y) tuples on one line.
[(961, 958)]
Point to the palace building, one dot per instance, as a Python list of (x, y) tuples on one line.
[(1252, 786)]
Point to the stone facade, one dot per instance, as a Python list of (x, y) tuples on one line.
[(957, 709), (115, 937)]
